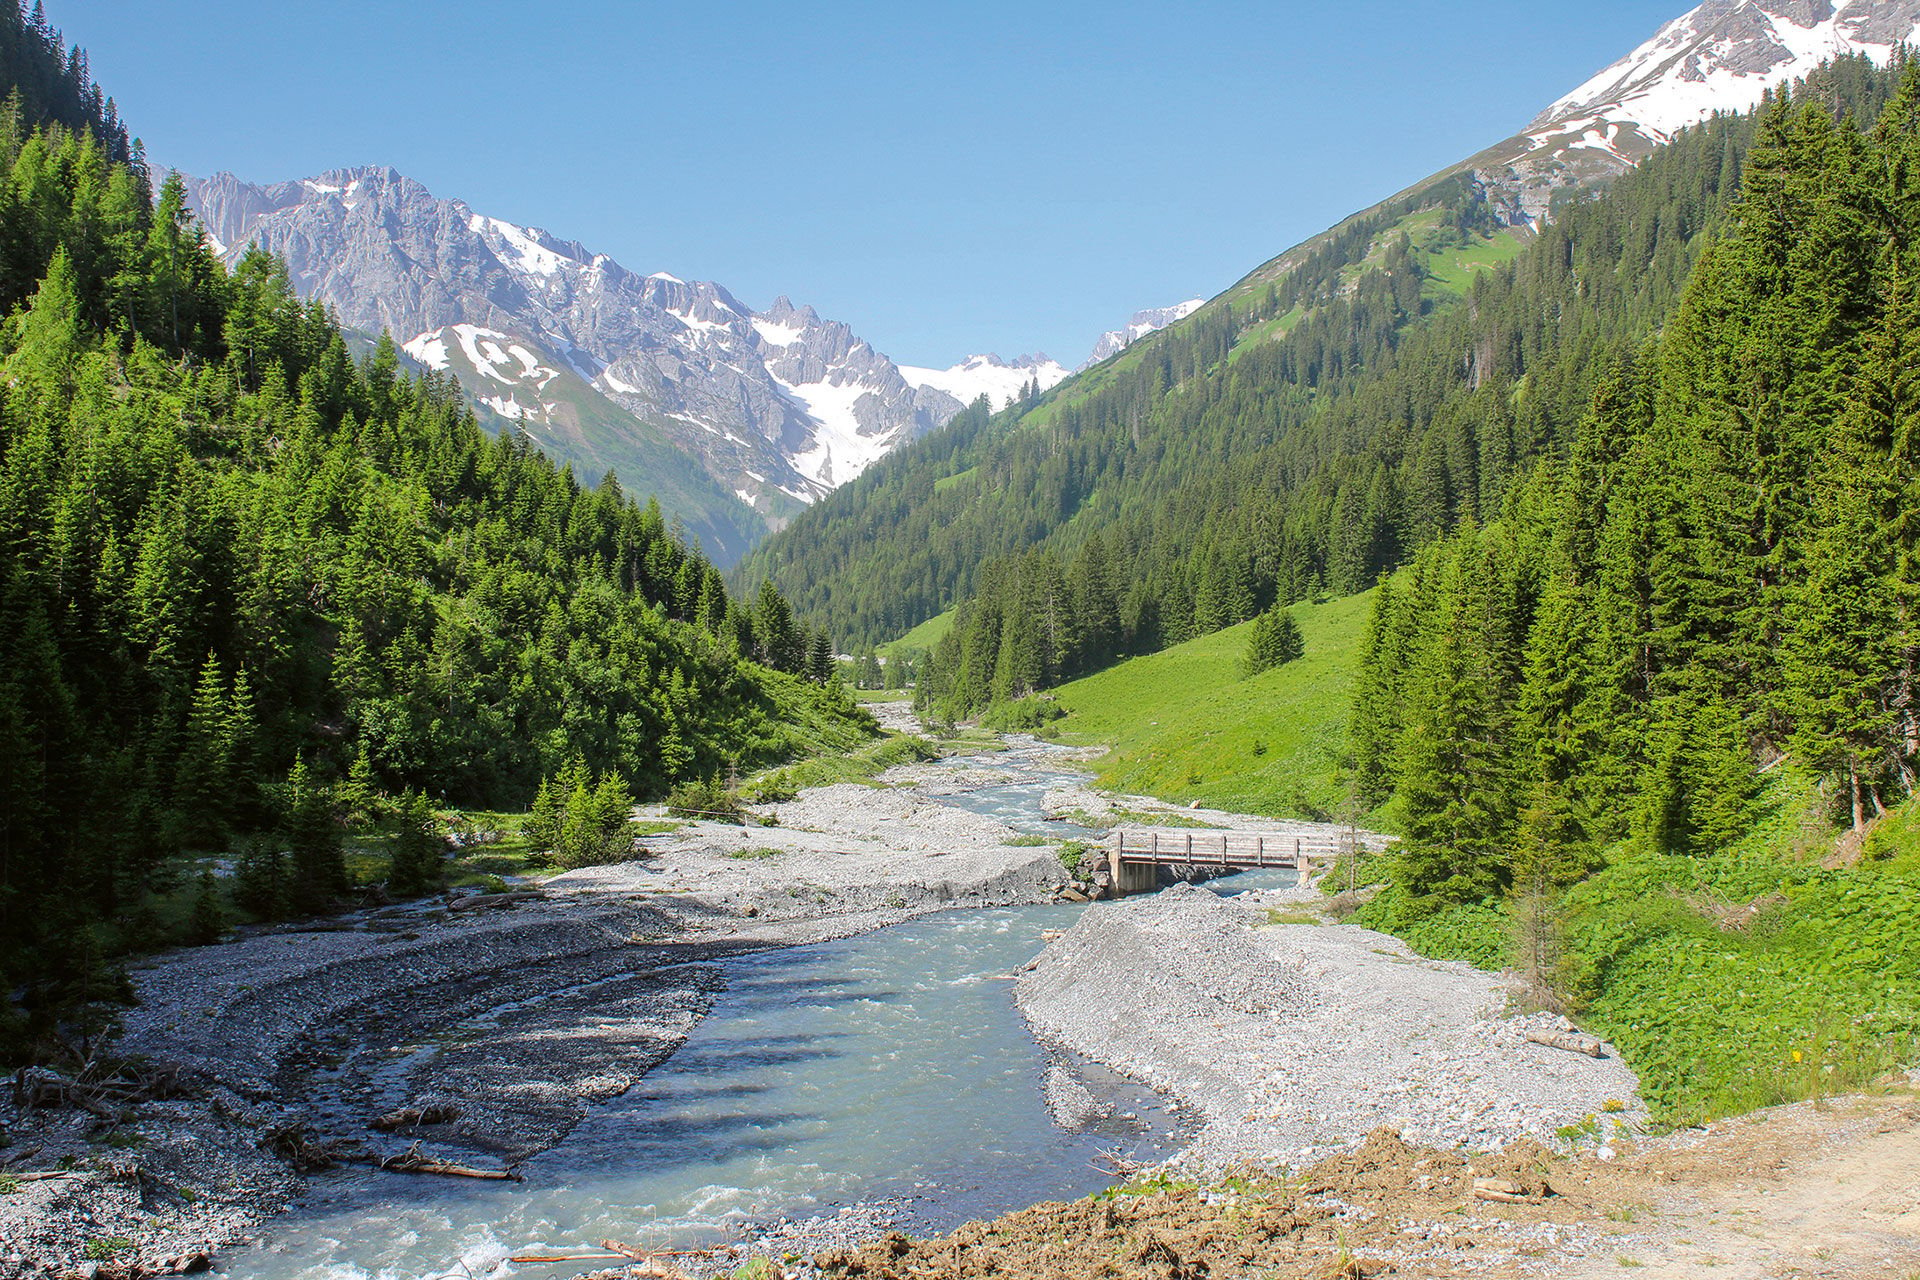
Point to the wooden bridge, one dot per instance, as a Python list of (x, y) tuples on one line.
[(1134, 857)]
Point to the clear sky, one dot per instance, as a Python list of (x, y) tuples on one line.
[(946, 178)]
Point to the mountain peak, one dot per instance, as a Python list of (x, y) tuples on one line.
[(1114, 341), (779, 407), (1725, 54)]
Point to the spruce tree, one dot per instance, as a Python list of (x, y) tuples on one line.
[(417, 849), (317, 871)]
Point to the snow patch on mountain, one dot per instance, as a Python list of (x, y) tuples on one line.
[(777, 335), (1114, 341), (1723, 56), (1001, 381), (840, 450), (430, 349)]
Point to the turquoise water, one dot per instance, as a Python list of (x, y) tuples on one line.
[(890, 1065)]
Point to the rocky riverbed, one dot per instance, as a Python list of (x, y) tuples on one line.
[(1285, 1041), (289, 1037), (1297, 1039)]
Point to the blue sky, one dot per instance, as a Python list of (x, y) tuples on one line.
[(946, 178)]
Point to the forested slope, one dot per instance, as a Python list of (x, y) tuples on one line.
[(238, 566), (1297, 436), (1632, 711)]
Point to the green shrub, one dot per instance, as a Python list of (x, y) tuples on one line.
[(708, 800), (1735, 984), (862, 765), (1031, 712), (1479, 935)]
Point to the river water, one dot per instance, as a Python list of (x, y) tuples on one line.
[(890, 1066)]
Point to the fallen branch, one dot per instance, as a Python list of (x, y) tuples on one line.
[(1571, 1043), (526, 1259), (1111, 1161), (646, 1255), (411, 1161), (47, 1176)]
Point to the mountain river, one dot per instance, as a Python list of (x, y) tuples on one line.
[(892, 1066)]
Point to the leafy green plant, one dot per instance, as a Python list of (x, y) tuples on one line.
[(753, 855)]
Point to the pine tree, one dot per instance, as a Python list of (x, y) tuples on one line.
[(317, 871), (209, 920), (417, 849), (1274, 641)]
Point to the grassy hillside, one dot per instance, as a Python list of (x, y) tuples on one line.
[(1184, 725), (923, 637)]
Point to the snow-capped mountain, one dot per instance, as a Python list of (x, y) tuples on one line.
[(1001, 381), (780, 405), (1114, 341), (1720, 57)]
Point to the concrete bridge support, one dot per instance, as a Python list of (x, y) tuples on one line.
[(1131, 877)]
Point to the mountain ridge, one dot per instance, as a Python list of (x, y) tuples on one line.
[(781, 403), (1459, 222)]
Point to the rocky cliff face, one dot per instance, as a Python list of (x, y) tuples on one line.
[(779, 406)]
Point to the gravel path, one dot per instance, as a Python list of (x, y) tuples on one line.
[(1294, 1040)]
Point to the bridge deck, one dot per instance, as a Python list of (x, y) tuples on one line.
[(1247, 849)]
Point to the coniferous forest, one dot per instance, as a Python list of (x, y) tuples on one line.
[(1290, 442), (246, 578), (1682, 635)]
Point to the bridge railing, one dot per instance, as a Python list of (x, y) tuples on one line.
[(1227, 848)]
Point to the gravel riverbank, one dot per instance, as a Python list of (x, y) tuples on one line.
[(1294, 1040), (509, 1021), (534, 1010)]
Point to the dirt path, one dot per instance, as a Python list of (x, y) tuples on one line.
[(1815, 1191), (1812, 1190)]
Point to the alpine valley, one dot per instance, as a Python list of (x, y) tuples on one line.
[(1269, 444), (1409, 766)]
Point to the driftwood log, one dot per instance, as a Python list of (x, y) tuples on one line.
[(412, 1117), (474, 902), (412, 1161), (1505, 1192), (1588, 1045)]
